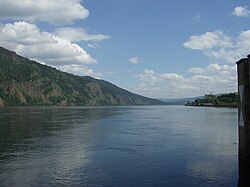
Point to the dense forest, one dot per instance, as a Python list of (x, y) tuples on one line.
[(24, 82)]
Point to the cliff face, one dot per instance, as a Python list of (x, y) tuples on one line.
[(28, 83)]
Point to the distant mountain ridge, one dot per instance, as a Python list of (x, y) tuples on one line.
[(24, 82), (180, 101)]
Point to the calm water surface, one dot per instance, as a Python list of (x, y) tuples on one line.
[(118, 146)]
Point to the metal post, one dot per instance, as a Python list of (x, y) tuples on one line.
[(243, 70)]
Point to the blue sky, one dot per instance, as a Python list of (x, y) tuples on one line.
[(157, 48)]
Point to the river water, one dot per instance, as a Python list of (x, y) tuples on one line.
[(118, 146)]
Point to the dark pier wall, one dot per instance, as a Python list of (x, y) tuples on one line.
[(243, 66), (244, 115)]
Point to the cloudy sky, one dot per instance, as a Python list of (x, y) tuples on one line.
[(157, 48)]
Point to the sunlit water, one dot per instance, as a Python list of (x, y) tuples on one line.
[(118, 146)]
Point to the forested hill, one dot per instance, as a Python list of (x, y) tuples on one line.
[(224, 100), (27, 83)]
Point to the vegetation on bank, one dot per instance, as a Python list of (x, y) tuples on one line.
[(224, 100), (24, 82)]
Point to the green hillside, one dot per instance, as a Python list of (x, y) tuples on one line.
[(224, 100), (27, 83)]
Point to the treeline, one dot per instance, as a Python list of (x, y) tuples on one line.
[(227, 100)]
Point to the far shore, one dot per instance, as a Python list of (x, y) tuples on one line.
[(217, 106)]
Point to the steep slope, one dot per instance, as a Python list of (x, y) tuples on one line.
[(26, 82)]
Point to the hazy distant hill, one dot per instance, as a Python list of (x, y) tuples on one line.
[(181, 101), (26, 82)]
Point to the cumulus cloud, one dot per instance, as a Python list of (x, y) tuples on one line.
[(153, 84), (52, 11), (149, 76), (214, 69), (214, 78), (196, 70), (217, 77), (28, 40), (239, 49), (79, 34), (79, 70), (220, 47), (240, 11), (134, 60), (208, 40), (171, 76), (58, 49)]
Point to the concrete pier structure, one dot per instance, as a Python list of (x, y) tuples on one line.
[(243, 71)]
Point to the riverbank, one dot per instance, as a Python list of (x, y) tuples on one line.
[(230, 100), (218, 106)]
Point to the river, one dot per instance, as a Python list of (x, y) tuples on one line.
[(118, 146)]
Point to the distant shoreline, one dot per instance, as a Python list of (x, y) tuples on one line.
[(230, 100), (216, 106)]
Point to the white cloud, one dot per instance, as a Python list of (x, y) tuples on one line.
[(24, 34), (214, 78), (171, 76), (134, 60), (221, 48), (149, 75), (93, 45), (52, 11), (241, 12), (196, 70), (146, 90), (218, 77), (213, 69), (27, 40), (58, 49), (78, 34), (79, 70), (208, 40), (240, 49)]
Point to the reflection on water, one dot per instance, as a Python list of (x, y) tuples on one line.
[(118, 146)]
